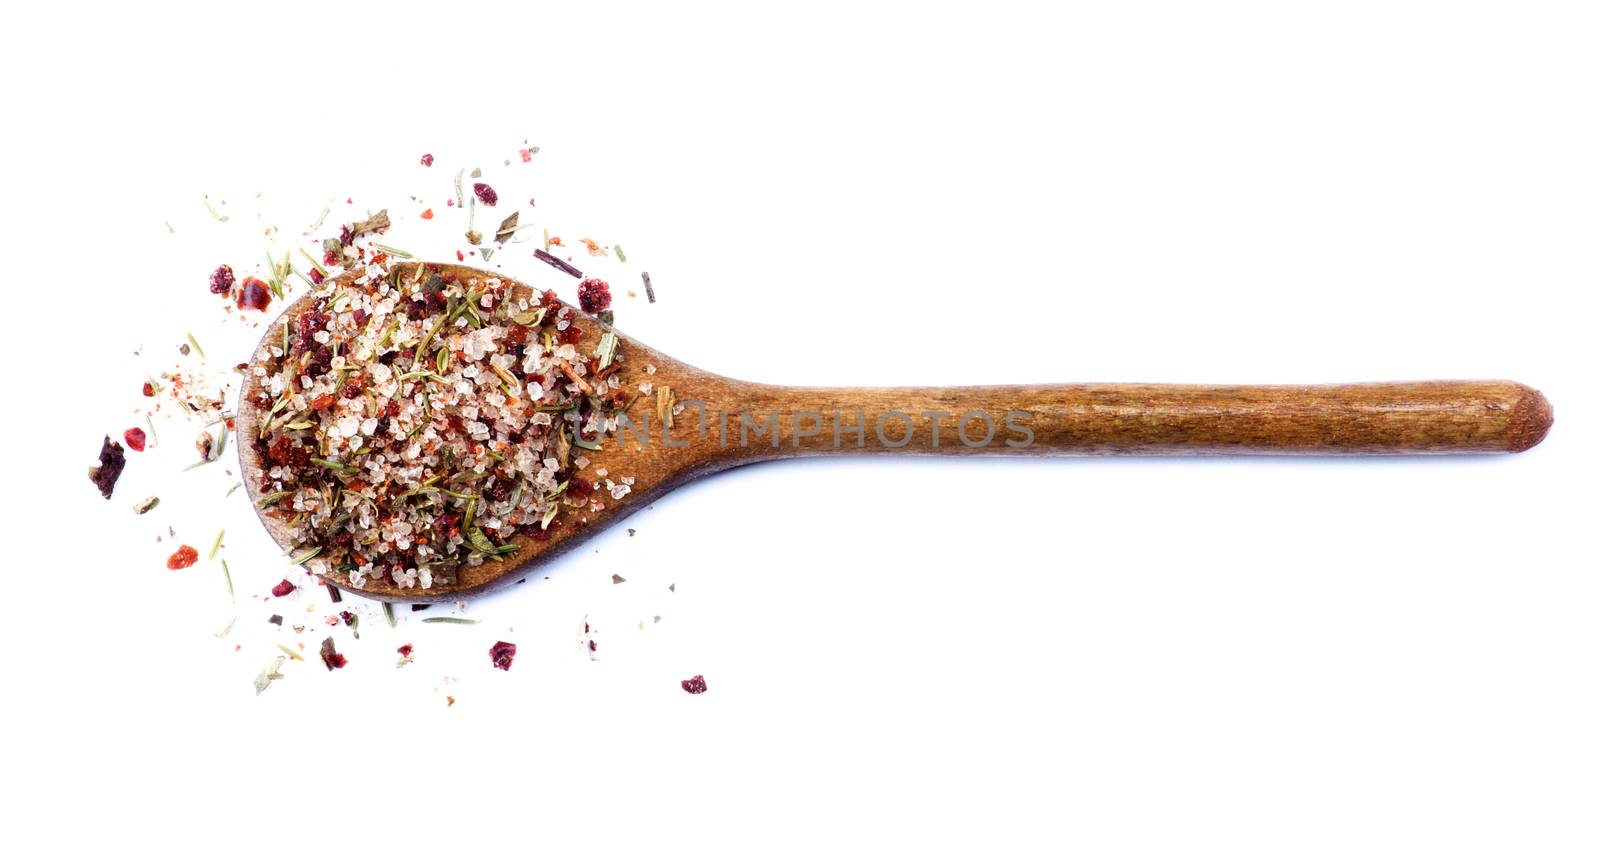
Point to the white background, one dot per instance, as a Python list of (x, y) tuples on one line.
[(1104, 652)]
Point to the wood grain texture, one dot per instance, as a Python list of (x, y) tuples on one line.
[(724, 423)]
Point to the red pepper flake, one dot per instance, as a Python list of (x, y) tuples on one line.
[(527, 155), (254, 294), (282, 589), (330, 657), (330, 257), (695, 685), (501, 655), (427, 160), (185, 557), (460, 257), (485, 194), (134, 437), (317, 277), (556, 240), (427, 214), (149, 389), (222, 280), (594, 295), (405, 650)]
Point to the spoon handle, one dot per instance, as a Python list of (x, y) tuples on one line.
[(1438, 417)]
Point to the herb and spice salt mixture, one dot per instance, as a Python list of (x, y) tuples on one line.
[(419, 417), (406, 420)]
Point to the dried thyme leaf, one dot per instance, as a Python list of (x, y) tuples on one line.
[(448, 620), (269, 674), (305, 557), (388, 608), (292, 653), (507, 227), (197, 348), (374, 224), (216, 546), (221, 219), (228, 576), (395, 252)]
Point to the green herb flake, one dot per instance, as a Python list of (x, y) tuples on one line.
[(215, 216), (445, 619), (216, 546), (269, 674), (197, 348)]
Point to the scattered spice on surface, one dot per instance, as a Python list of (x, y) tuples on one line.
[(484, 193), (557, 262), (695, 685), (507, 227), (594, 295), (649, 292), (217, 546), (331, 657), (621, 257), (146, 505), (427, 215), (595, 248), (269, 674), (204, 443), (253, 294), (184, 557), (617, 578), (501, 655), (282, 589), (135, 438), (110, 468), (222, 280), (334, 594), (275, 619), (427, 160), (445, 619), (352, 621)]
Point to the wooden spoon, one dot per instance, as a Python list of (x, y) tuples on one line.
[(742, 422)]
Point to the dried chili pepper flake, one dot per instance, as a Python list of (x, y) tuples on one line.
[(485, 194), (134, 437), (254, 294), (404, 650), (695, 685), (331, 657), (282, 589), (427, 160), (110, 468), (149, 389), (594, 295), (183, 558), (427, 214), (317, 277), (460, 257), (330, 257), (527, 155), (501, 655), (222, 280)]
